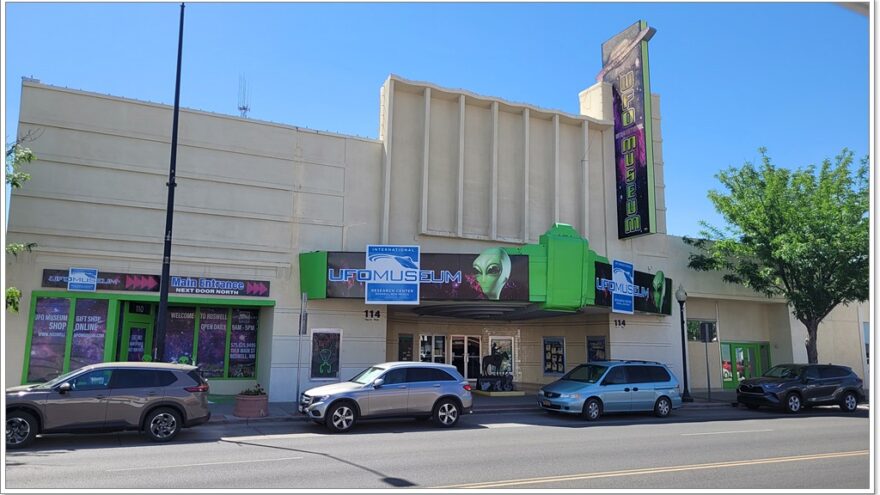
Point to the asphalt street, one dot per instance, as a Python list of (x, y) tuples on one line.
[(718, 448)]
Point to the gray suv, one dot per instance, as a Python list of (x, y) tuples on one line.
[(408, 389), (613, 386), (156, 398)]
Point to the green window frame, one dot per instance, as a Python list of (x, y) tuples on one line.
[(113, 331)]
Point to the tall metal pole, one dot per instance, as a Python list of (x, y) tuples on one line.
[(686, 395), (159, 338), (303, 329), (708, 379)]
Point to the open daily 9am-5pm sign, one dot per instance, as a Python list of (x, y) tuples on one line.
[(394, 274)]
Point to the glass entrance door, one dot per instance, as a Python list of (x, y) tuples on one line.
[(740, 361), (136, 343), (465, 355)]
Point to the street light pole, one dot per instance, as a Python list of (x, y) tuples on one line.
[(159, 337), (681, 297)]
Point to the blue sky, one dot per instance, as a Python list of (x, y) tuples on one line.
[(793, 77)]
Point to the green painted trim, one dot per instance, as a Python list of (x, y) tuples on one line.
[(228, 340), (110, 333), (649, 135), (151, 298), (71, 320), (30, 335), (313, 274)]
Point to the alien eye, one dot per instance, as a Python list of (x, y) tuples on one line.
[(493, 270), (478, 270)]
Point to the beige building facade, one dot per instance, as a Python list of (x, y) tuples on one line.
[(452, 172)]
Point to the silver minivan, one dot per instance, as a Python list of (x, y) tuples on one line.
[(396, 389), (613, 386)]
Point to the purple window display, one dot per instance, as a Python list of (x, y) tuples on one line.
[(179, 332), (49, 339), (211, 354), (89, 331), (243, 344)]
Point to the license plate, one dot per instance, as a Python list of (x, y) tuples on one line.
[(545, 403)]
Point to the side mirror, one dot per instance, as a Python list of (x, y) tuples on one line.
[(64, 388), (378, 382)]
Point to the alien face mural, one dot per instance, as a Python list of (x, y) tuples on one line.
[(659, 286), (492, 270)]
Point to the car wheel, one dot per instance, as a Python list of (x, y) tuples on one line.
[(21, 429), (446, 413), (592, 410), (792, 403), (849, 402), (662, 407), (162, 424), (752, 406), (341, 418)]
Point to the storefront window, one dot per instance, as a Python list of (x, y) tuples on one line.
[(211, 353), (702, 331), (596, 349), (726, 366), (49, 339), (432, 348), (554, 355), (89, 332), (179, 334), (325, 354), (405, 347), (243, 344)]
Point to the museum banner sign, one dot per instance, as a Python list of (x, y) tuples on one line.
[(625, 68), (211, 286), (490, 275), (650, 292)]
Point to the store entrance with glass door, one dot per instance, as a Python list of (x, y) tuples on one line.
[(136, 343), (743, 360), (465, 355)]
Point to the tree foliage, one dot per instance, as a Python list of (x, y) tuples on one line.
[(802, 235), (17, 156)]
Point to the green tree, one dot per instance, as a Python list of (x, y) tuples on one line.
[(17, 156), (802, 235)]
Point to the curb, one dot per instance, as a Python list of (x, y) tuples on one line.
[(224, 419)]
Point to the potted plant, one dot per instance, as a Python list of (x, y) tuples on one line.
[(251, 403)]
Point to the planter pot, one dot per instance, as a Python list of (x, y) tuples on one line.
[(251, 406)]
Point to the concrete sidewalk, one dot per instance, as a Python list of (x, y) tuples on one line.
[(222, 406)]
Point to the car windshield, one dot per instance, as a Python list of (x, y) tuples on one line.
[(782, 371), (587, 373), (58, 380), (368, 375)]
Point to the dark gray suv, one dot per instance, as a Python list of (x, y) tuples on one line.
[(792, 387), (156, 398)]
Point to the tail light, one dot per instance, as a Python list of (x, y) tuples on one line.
[(200, 388), (467, 387)]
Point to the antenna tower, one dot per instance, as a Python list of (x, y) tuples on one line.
[(243, 104)]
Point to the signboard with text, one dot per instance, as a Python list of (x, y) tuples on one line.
[(97, 280), (625, 67), (490, 275), (394, 274), (651, 292)]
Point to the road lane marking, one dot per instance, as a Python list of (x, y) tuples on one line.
[(203, 464), (254, 438), (504, 425), (659, 470), (721, 432)]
